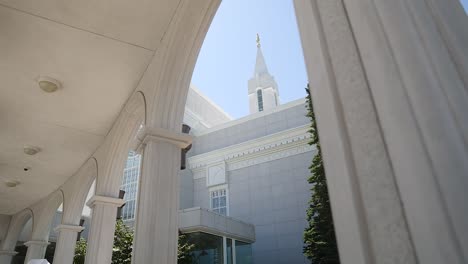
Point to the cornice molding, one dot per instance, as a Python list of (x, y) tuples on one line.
[(73, 228), (36, 242), (111, 201), (147, 134), (264, 149)]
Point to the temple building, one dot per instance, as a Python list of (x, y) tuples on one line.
[(244, 191), (85, 82)]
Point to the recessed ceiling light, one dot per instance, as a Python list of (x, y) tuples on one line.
[(48, 85), (12, 183), (31, 150)]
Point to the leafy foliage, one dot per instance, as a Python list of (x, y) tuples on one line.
[(80, 252), (123, 244), (319, 237), (184, 250), (121, 251)]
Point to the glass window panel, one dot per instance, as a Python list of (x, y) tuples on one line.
[(229, 254), (223, 211), (222, 201), (243, 253), (208, 248), (215, 203)]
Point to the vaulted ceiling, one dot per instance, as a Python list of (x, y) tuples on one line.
[(98, 51)]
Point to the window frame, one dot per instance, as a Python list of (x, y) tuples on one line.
[(260, 100), (210, 198)]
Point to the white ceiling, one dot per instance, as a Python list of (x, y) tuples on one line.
[(98, 50)]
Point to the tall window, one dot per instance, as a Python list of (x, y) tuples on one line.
[(260, 100), (219, 201), (130, 185)]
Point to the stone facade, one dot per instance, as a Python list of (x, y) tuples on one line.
[(266, 157)]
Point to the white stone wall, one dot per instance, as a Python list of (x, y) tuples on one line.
[(201, 112), (267, 184)]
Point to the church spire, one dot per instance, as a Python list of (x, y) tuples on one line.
[(260, 65), (263, 90)]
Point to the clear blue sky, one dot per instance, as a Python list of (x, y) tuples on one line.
[(227, 58)]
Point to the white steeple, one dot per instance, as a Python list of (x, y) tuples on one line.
[(263, 90)]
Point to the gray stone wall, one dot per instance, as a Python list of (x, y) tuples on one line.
[(272, 196), (186, 189), (257, 125)]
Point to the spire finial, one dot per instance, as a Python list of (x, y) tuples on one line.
[(258, 41)]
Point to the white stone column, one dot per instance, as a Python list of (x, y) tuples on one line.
[(156, 232), (36, 249), (101, 233), (6, 256), (389, 87), (66, 242)]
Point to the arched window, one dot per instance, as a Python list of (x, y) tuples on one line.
[(260, 100)]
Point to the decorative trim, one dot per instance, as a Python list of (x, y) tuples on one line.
[(147, 134), (272, 147), (8, 253), (73, 228), (105, 200), (246, 162), (221, 165), (36, 242)]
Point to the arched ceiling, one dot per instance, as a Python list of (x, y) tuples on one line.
[(98, 50)]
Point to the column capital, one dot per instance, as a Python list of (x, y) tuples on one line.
[(106, 200), (73, 228), (147, 134), (36, 242), (8, 252)]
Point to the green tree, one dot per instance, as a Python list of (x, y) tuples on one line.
[(80, 252), (319, 237), (123, 244), (184, 250), (121, 251)]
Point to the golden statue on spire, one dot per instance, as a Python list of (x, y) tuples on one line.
[(258, 41)]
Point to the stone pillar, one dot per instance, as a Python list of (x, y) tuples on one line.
[(66, 242), (156, 232), (6, 256), (36, 249), (101, 233), (389, 87)]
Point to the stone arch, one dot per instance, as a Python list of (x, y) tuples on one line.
[(166, 81), (17, 222), (44, 213), (76, 190), (111, 156)]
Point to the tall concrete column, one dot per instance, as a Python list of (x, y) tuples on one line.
[(6, 256), (156, 232), (36, 249), (389, 83), (66, 242), (101, 233)]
